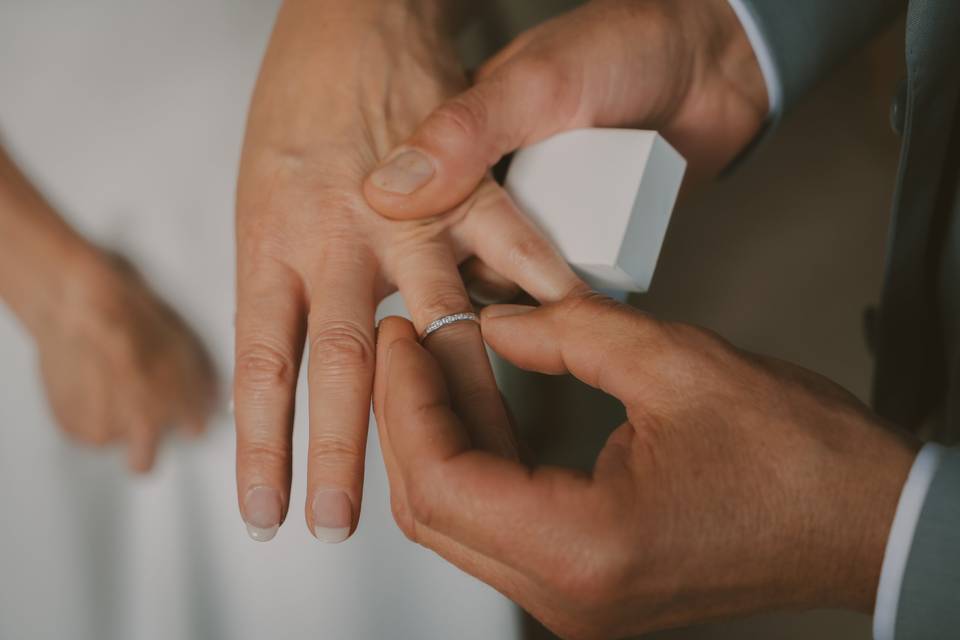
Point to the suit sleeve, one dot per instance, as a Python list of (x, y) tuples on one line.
[(929, 603), (806, 39)]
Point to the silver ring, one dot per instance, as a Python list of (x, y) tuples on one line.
[(453, 318)]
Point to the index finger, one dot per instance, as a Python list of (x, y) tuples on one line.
[(491, 505), (340, 375)]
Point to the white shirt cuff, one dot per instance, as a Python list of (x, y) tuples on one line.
[(761, 49), (899, 543)]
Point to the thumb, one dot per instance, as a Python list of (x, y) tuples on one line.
[(598, 340), (440, 165)]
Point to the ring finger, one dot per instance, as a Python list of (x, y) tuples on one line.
[(432, 288)]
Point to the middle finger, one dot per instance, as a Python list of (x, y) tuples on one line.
[(340, 376)]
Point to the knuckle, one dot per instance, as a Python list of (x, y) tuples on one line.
[(260, 244), (264, 365), (464, 116), (534, 69), (478, 393), (336, 451), (119, 344), (548, 82), (443, 300), (97, 436), (263, 455), (341, 345), (533, 249)]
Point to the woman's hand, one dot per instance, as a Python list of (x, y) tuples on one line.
[(119, 366), (738, 483), (683, 68), (342, 82)]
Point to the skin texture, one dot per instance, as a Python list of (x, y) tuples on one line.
[(738, 484), (118, 365), (341, 84), (685, 69)]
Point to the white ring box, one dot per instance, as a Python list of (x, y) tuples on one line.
[(604, 197)]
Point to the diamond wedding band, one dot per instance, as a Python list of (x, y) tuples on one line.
[(453, 318)]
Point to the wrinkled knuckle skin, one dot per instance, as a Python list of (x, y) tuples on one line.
[(335, 451), (465, 116), (551, 84), (262, 455), (536, 70), (529, 251), (262, 366), (478, 394), (443, 301), (341, 346)]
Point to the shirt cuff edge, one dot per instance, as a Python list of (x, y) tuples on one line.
[(899, 542)]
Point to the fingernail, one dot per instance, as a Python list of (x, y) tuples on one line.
[(504, 310), (404, 173), (262, 511), (332, 516)]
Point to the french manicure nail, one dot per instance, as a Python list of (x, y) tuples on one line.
[(404, 173), (332, 516), (505, 310), (262, 511)]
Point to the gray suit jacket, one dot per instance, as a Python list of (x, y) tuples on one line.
[(916, 331)]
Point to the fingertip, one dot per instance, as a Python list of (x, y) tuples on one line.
[(141, 457), (193, 428), (331, 516), (406, 350), (500, 329), (389, 330), (262, 510), (393, 328)]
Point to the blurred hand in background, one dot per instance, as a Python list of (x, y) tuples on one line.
[(738, 483), (119, 366)]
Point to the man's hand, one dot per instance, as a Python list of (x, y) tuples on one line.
[(683, 68), (738, 483), (342, 82)]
